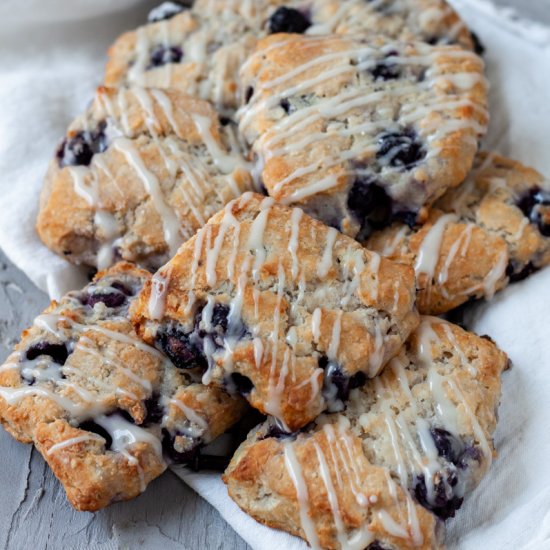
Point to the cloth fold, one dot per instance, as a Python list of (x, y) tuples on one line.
[(52, 58)]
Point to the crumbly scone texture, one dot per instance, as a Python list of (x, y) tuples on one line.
[(137, 174), (99, 404), (199, 51), (491, 230), (420, 433), (279, 307), (361, 131)]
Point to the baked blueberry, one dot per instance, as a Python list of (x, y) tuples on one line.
[(183, 353), (164, 11), (370, 204), (91, 426), (155, 411), (169, 441), (79, 149), (162, 55), (58, 352), (248, 94), (376, 545), (337, 384), (443, 503), (400, 149), (386, 70), (238, 383), (288, 20), (448, 446), (110, 299), (516, 276), (536, 206)]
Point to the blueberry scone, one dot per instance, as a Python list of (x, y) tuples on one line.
[(105, 410), (278, 307), (200, 51), (491, 230), (136, 175), (360, 132), (412, 442)]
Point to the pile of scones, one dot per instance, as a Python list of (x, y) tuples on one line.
[(285, 202)]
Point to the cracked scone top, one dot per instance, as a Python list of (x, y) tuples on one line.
[(360, 132), (136, 175), (278, 307), (416, 439), (491, 230), (105, 410), (199, 50)]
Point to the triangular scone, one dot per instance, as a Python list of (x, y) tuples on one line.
[(105, 410), (418, 434), (360, 131), (136, 175), (278, 307), (491, 230)]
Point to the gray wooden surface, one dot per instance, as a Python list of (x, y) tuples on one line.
[(34, 512)]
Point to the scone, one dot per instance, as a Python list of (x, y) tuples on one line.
[(419, 435), (200, 51), (491, 230), (105, 410), (278, 307), (360, 132), (136, 175)]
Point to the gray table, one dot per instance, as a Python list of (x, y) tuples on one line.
[(34, 512)]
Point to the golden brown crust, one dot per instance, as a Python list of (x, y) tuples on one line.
[(164, 165), (302, 294), (483, 239), (331, 117)]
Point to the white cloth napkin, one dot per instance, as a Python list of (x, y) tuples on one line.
[(52, 57)]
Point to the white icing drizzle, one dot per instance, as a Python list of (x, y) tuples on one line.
[(256, 236), (295, 472), (324, 265), (192, 416), (295, 219), (169, 219), (74, 441), (316, 324), (157, 297), (429, 251), (332, 351)]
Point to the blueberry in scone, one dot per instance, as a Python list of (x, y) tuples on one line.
[(136, 175), (491, 230), (200, 50), (361, 131), (412, 443), (278, 307), (106, 411)]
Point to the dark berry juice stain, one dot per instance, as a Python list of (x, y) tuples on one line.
[(162, 55), (288, 20), (401, 150), (447, 445), (535, 204), (79, 149), (58, 352), (248, 94), (479, 48)]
